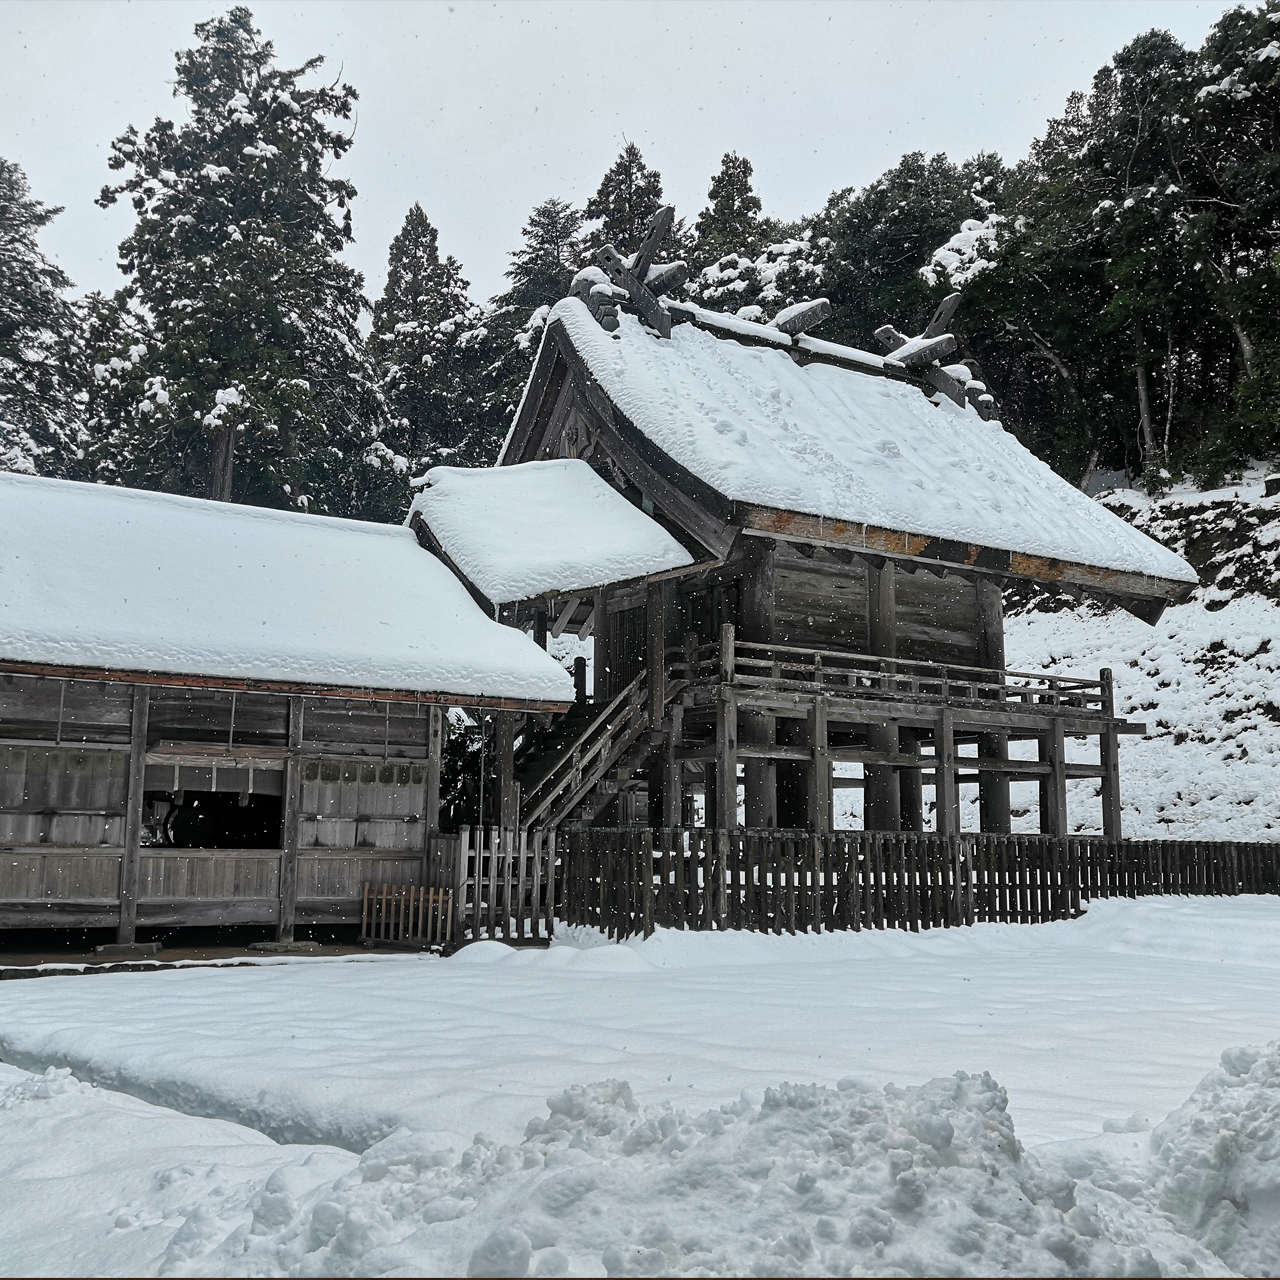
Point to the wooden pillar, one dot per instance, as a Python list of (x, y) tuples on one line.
[(910, 790), (756, 625), (726, 769), (127, 930), (600, 643), (540, 628), (882, 804), (673, 799), (655, 661), (1109, 758), (580, 681), (819, 806), (504, 749), (946, 791), (993, 788), (289, 827), (435, 749), (1053, 786)]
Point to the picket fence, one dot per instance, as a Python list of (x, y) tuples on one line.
[(627, 881)]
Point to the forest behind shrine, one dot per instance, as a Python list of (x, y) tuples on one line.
[(1121, 285)]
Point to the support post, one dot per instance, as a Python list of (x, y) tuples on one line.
[(580, 681), (756, 625), (655, 661), (993, 788), (946, 790), (504, 749), (435, 750), (600, 644), (1109, 758), (289, 832), (910, 789), (127, 930), (1053, 786), (726, 770), (540, 628), (882, 804), (672, 777), (819, 768)]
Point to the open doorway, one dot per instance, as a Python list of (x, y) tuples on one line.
[(213, 819)]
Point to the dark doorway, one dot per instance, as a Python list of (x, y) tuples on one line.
[(214, 819)]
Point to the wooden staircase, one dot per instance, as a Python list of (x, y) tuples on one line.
[(594, 765)]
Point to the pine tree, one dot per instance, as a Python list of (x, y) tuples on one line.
[(628, 196), (545, 263), (429, 343), (731, 222), (38, 429), (255, 376), (540, 273)]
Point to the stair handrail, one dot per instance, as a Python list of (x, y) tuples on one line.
[(532, 811)]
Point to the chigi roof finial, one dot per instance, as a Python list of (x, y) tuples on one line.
[(636, 282)]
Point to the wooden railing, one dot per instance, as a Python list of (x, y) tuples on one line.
[(588, 758), (505, 883), (855, 675), (407, 915), (628, 881)]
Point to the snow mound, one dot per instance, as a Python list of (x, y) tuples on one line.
[(55, 1082), (1217, 1160), (928, 1180)]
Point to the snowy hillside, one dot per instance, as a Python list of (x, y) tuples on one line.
[(1205, 680)]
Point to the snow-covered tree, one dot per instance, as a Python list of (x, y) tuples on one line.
[(730, 224), (255, 374), (629, 195), (429, 343), (38, 429)]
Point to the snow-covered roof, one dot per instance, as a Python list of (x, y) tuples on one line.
[(828, 441), (522, 531), (118, 578)]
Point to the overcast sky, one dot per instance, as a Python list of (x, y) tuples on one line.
[(481, 110)]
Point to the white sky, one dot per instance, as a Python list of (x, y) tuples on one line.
[(481, 110)]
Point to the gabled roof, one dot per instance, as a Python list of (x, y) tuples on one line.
[(824, 440), (541, 527), (121, 580)]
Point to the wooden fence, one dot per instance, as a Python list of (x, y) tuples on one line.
[(406, 914), (503, 882), (627, 881)]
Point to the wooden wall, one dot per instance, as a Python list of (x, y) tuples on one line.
[(363, 789)]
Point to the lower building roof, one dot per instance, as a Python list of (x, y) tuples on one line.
[(117, 579), (539, 527)]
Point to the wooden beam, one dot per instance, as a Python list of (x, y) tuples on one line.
[(819, 772), (946, 790), (435, 752), (1053, 785), (796, 526), (1109, 759), (726, 766), (126, 931), (883, 808), (173, 680), (508, 789), (993, 788), (564, 616), (289, 825)]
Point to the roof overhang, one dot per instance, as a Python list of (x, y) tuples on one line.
[(170, 679), (1145, 596)]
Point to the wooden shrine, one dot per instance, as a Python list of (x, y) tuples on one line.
[(802, 638)]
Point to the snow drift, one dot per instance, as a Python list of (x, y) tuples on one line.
[(925, 1180)]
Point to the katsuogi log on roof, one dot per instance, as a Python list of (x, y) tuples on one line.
[(794, 438), (545, 527), (101, 579)]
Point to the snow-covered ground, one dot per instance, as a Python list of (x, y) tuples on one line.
[(721, 1104)]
